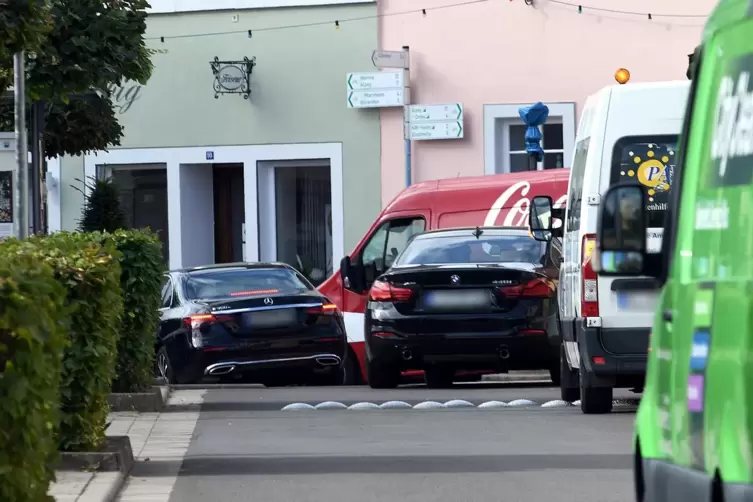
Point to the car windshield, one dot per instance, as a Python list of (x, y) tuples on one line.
[(489, 247), (240, 282)]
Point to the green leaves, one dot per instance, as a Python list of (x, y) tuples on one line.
[(33, 317), (86, 46), (142, 266), (25, 24), (102, 211)]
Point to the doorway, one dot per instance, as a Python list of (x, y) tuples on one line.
[(295, 216), (142, 190), (229, 213)]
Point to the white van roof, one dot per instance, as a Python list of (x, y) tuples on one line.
[(633, 102)]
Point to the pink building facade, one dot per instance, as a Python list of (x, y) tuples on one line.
[(495, 56)]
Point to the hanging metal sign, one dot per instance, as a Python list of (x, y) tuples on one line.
[(232, 77)]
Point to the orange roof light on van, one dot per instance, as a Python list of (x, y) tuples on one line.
[(622, 76)]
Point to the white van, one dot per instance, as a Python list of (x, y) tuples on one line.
[(626, 132)]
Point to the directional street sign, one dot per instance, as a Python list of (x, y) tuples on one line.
[(375, 80), (389, 59), (436, 130), (424, 113), (427, 122), (378, 98)]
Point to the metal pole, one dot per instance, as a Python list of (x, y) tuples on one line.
[(21, 174), (406, 118), (37, 162)]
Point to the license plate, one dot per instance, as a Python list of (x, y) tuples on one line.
[(269, 318), (455, 300)]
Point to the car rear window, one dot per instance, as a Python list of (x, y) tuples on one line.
[(649, 160), (490, 247), (242, 282)]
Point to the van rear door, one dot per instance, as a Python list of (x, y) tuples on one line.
[(630, 302)]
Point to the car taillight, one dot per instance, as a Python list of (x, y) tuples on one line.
[(589, 304), (195, 323), (536, 288), (386, 292), (326, 309)]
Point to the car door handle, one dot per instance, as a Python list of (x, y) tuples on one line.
[(667, 315)]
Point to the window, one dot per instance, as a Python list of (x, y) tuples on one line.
[(167, 293), (388, 242), (398, 237), (504, 138), (552, 142), (373, 251), (234, 282), (555, 252), (649, 160), (575, 191), (490, 247)]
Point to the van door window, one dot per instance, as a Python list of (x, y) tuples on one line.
[(373, 251), (386, 243), (397, 239), (649, 160), (576, 185)]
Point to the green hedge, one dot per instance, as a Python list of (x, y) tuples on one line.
[(142, 267), (88, 266), (32, 340)]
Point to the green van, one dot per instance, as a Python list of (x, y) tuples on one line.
[(694, 427)]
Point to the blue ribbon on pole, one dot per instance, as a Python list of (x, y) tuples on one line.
[(534, 116)]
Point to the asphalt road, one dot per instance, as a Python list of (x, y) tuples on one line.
[(246, 449)]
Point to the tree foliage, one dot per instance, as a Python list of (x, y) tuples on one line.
[(78, 50), (102, 211)]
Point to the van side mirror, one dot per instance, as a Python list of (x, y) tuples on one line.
[(540, 218), (621, 231), (352, 275)]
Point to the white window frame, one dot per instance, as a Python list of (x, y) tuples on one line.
[(497, 120), (507, 152)]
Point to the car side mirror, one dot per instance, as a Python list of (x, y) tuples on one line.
[(621, 231), (540, 218)]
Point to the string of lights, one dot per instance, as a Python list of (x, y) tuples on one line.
[(338, 22)]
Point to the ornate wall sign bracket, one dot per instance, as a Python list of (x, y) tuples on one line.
[(232, 77)]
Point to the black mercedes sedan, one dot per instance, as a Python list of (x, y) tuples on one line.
[(263, 322), (462, 299)]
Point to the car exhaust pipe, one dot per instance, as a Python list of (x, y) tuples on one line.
[(407, 355), (504, 353), (328, 361), (222, 370)]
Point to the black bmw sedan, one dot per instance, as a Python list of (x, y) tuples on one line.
[(261, 321), (462, 299)]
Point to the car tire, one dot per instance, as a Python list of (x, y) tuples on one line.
[(164, 367), (382, 375), (438, 377), (351, 370), (594, 400), (554, 375), (569, 381)]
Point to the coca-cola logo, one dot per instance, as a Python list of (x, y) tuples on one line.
[(517, 213)]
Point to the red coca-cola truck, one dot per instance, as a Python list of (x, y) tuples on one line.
[(501, 199)]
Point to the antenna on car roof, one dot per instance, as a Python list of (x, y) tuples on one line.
[(477, 233)]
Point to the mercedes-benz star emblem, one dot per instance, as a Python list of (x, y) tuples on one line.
[(455, 279), (268, 301)]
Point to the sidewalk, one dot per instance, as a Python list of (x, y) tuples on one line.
[(163, 436)]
